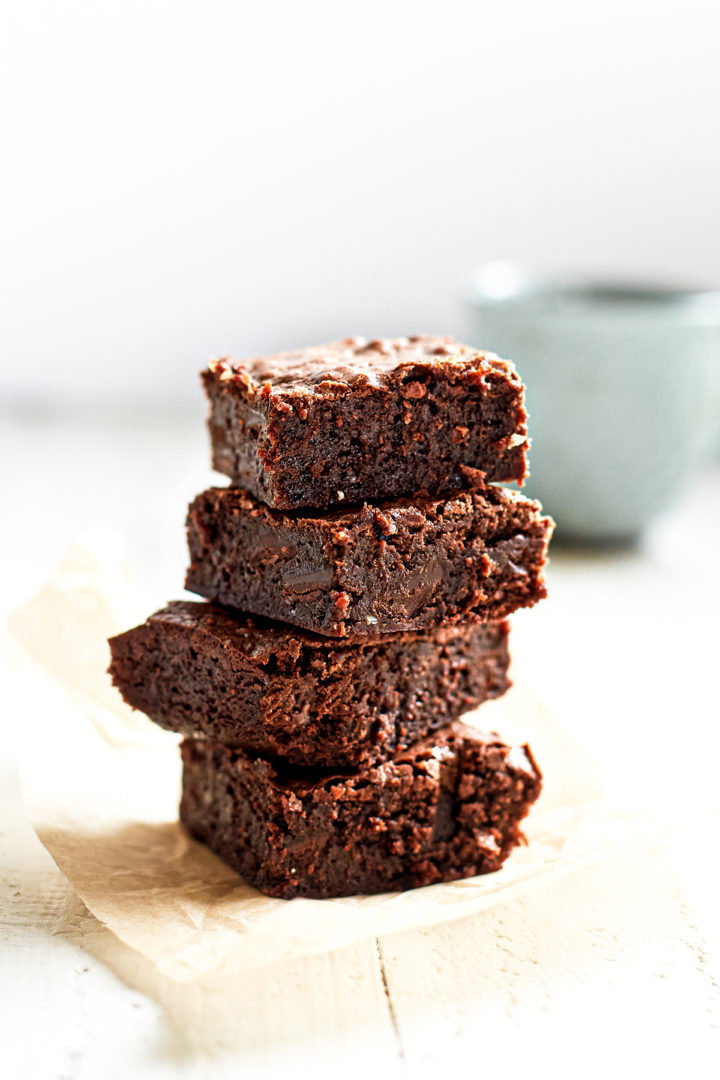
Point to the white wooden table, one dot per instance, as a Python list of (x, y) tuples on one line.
[(612, 969)]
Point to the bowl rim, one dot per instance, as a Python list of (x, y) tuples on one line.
[(504, 283)]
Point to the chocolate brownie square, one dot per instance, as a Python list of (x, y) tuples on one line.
[(271, 690), (356, 419), (378, 569), (449, 807)]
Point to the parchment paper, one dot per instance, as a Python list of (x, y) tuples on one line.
[(102, 788)]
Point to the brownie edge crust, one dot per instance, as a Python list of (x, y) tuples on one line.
[(448, 808)]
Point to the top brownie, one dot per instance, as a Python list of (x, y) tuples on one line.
[(359, 419)]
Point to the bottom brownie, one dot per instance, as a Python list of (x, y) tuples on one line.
[(447, 808)]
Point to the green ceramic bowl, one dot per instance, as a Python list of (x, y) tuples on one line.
[(623, 391)]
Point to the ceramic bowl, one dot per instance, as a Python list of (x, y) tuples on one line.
[(623, 391)]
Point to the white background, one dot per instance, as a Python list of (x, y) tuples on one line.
[(184, 179)]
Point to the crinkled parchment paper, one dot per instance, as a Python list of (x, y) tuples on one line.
[(102, 788)]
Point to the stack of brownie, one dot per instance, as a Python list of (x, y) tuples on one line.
[(357, 572)]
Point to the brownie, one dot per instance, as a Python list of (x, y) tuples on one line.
[(271, 690), (447, 808), (356, 419), (372, 570)]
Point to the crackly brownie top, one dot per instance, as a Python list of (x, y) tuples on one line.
[(354, 362), (259, 638), (422, 758), (497, 507)]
